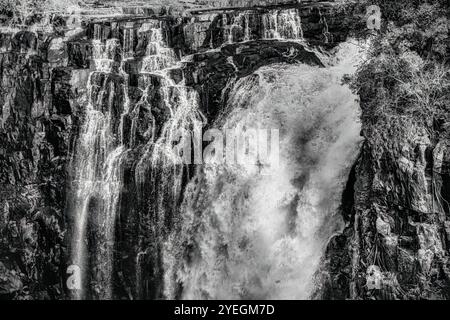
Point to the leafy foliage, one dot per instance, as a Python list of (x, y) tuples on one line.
[(20, 10), (405, 81)]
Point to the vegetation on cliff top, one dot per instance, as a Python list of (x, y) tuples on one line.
[(405, 81), (25, 11)]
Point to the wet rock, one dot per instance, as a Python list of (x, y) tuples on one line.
[(374, 278), (430, 246), (10, 282), (24, 41), (35, 92), (447, 234), (79, 54), (383, 227), (401, 199), (57, 54)]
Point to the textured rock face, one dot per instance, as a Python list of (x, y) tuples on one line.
[(396, 244), (36, 123)]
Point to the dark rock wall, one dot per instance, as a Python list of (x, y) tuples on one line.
[(396, 245), (37, 117)]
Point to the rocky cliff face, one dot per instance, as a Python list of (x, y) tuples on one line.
[(38, 114), (396, 206), (396, 244)]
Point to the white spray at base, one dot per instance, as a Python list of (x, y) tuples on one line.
[(245, 235)]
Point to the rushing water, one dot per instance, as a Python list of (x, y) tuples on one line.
[(97, 176), (275, 24), (159, 171), (101, 149), (244, 234)]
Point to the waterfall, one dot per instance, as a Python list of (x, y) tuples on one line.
[(96, 165), (158, 56), (181, 102), (276, 24), (102, 148), (240, 22), (128, 40), (282, 24), (243, 234), (159, 171)]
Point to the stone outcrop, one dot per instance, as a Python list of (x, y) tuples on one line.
[(396, 244), (209, 72), (38, 114)]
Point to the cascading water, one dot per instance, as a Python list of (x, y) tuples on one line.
[(103, 145), (158, 56), (97, 175), (159, 171), (282, 24), (244, 234), (275, 24), (182, 104)]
